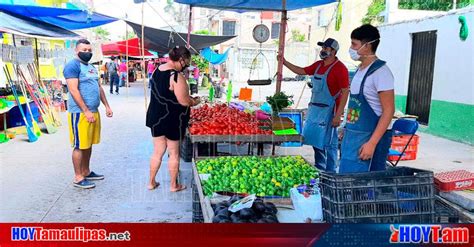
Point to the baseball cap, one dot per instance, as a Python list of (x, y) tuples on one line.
[(330, 43)]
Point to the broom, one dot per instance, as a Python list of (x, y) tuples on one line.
[(31, 136), (50, 128), (42, 87), (36, 128)]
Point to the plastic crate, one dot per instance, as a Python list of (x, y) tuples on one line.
[(454, 180), (197, 211), (410, 148), (398, 195), (444, 213), (406, 156), (186, 149), (402, 140), (297, 118)]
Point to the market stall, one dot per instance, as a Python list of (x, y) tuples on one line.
[(228, 189)]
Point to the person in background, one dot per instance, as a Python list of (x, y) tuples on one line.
[(150, 68), (193, 78), (366, 140), (85, 95), (112, 69), (168, 114), (123, 72), (329, 94)]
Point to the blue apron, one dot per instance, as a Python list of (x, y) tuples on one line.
[(361, 123), (318, 131)]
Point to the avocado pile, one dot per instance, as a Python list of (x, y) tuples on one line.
[(260, 212)]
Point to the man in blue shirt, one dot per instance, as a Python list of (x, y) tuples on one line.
[(85, 94)]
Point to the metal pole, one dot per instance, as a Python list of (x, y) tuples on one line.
[(281, 46), (126, 53), (190, 26), (145, 77)]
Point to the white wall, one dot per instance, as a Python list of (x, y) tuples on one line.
[(454, 67), (352, 13)]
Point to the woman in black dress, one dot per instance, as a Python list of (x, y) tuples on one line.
[(168, 114)]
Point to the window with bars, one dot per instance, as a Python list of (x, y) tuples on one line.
[(228, 28), (275, 32)]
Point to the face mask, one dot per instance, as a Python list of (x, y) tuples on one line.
[(324, 54), (85, 56), (183, 68), (355, 53)]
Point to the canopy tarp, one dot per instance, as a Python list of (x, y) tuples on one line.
[(11, 23), (162, 41), (120, 48), (254, 5), (213, 57), (66, 18)]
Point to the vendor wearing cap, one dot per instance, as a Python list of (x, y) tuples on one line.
[(330, 91)]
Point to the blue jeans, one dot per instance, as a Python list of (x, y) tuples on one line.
[(123, 78), (326, 160), (114, 79)]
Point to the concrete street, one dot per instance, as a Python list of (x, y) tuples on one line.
[(36, 178)]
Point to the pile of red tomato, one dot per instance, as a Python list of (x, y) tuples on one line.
[(223, 120)]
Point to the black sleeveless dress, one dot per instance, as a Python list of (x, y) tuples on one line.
[(165, 116)]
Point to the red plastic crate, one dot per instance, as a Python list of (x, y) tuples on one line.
[(406, 156), (410, 148), (454, 180), (403, 140)]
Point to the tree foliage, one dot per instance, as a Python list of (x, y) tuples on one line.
[(436, 5), (204, 32), (297, 36), (101, 33), (201, 63), (373, 13)]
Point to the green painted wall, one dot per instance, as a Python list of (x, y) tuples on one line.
[(401, 103), (454, 121)]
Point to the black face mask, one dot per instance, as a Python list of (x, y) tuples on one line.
[(85, 56), (183, 68)]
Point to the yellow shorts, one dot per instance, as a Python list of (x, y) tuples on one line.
[(83, 134)]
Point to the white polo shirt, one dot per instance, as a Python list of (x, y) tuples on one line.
[(381, 80)]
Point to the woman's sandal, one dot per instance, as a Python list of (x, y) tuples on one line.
[(180, 188), (154, 187)]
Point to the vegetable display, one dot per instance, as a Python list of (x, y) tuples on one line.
[(223, 120), (263, 176), (260, 212)]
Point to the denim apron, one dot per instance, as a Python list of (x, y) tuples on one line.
[(318, 131), (361, 123)]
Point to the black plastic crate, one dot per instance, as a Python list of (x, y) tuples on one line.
[(197, 211), (186, 149), (444, 213), (397, 195)]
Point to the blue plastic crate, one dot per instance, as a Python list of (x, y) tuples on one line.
[(297, 118), (14, 118)]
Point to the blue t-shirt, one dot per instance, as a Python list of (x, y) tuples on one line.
[(88, 85)]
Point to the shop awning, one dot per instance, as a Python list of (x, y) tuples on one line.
[(11, 23), (162, 41), (120, 48), (254, 5), (71, 19)]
